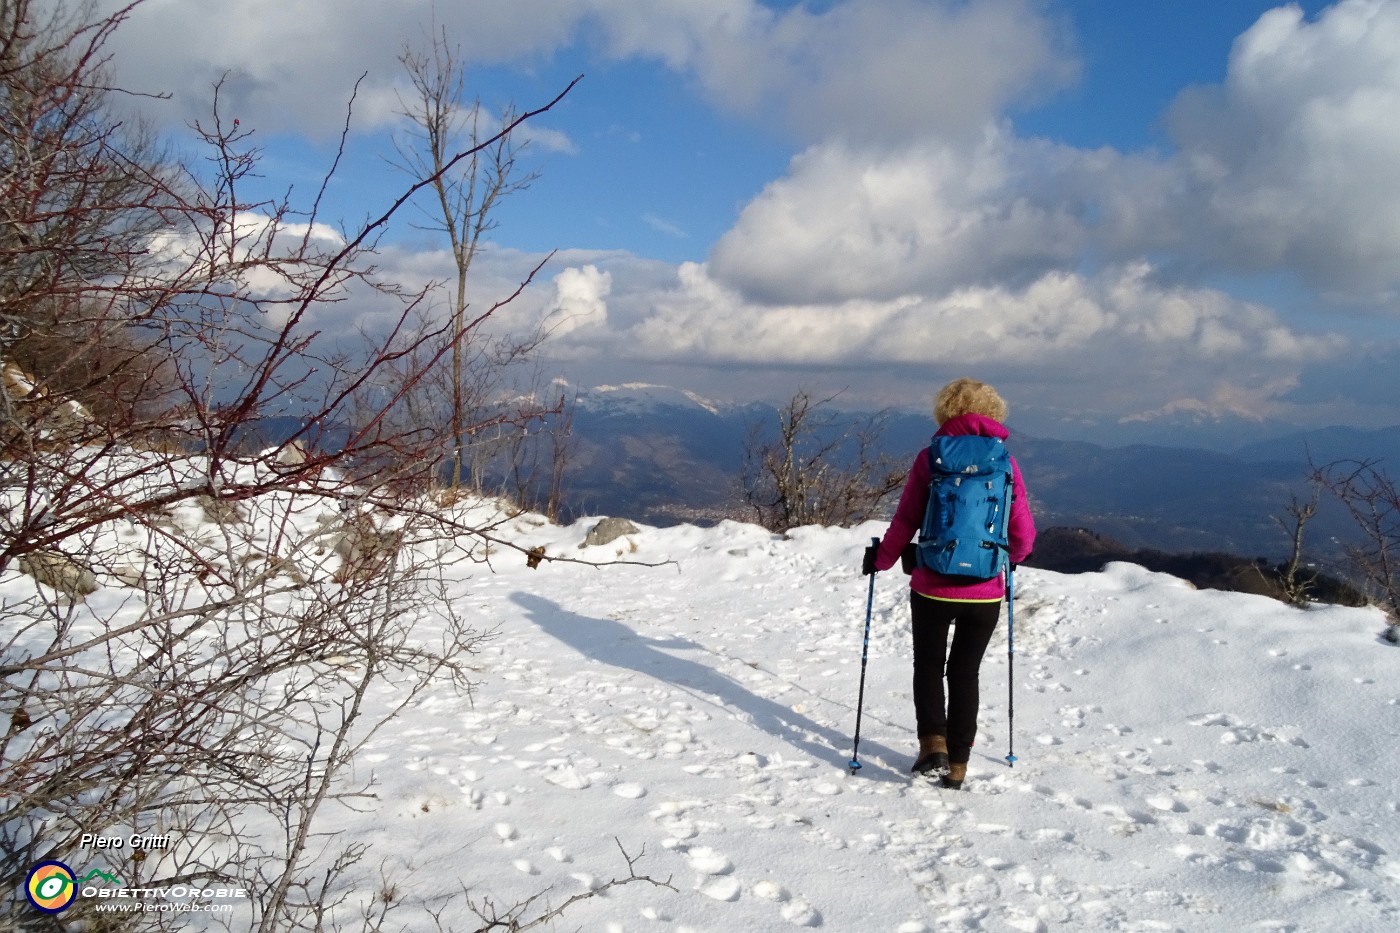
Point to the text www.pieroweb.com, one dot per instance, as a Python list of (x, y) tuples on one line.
[(164, 907)]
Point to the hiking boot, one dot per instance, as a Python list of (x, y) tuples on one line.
[(957, 771), (933, 755)]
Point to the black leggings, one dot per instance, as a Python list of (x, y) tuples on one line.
[(971, 633)]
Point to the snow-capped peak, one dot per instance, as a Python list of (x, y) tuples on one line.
[(646, 396)]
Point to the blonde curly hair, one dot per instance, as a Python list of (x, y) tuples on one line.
[(968, 396)]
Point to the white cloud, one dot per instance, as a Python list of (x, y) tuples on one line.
[(292, 66), (264, 259), (1291, 162), (1226, 399), (580, 300), (915, 229), (1287, 167), (662, 225), (1058, 319), (873, 70), (1122, 327), (850, 222), (884, 69)]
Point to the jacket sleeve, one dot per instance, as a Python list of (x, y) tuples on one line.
[(908, 516), (1021, 526)]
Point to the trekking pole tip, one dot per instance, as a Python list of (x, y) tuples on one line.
[(854, 766), (1011, 761)]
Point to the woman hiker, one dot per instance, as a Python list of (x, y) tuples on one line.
[(947, 724)]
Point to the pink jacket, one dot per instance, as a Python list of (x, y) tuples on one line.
[(910, 515)]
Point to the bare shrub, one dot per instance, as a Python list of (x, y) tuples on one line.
[(817, 470), (1296, 580), (1371, 497), (212, 685), (464, 197)]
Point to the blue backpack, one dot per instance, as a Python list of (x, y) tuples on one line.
[(964, 533)]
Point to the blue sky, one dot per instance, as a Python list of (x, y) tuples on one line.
[(1121, 213)]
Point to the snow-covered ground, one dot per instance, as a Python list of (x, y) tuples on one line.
[(1186, 760)]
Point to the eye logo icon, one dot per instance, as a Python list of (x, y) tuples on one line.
[(51, 887)]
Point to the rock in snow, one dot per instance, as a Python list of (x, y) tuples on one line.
[(609, 530)]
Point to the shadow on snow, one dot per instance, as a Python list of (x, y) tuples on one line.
[(619, 645)]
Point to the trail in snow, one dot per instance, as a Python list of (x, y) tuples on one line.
[(1192, 761), (1188, 760)]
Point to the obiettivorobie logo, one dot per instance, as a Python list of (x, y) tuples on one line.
[(52, 886)]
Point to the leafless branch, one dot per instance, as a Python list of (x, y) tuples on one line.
[(209, 607), (817, 470)]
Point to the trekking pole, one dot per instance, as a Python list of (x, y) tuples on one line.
[(864, 654), (1010, 672)]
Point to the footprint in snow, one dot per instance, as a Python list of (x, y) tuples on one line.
[(707, 861), (800, 913), (678, 827), (725, 889), (770, 891), (568, 779)]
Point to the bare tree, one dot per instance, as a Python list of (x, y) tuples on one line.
[(817, 470), (80, 198), (1373, 500), (206, 617), (531, 460), (1296, 581), (465, 198)]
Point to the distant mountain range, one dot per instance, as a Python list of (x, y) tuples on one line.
[(1225, 433), (664, 456), (656, 454)]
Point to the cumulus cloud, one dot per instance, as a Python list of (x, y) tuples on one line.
[(915, 228), (1225, 398), (1286, 167), (1290, 163), (580, 300), (1056, 338), (292, 67), (910, 184), (850, 222), (875, 70), (268, 258), (1060, 319), (884, 69)]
